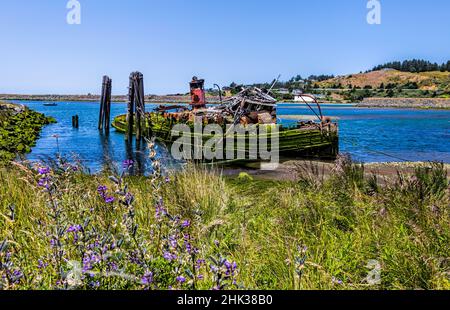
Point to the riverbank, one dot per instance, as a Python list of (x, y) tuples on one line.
[(410, 103), (196, 229), (19, 129), (294, 170)]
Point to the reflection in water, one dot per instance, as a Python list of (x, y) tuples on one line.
[(106, 160), (137, 152)]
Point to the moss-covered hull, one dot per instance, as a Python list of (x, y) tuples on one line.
[(313, 141)]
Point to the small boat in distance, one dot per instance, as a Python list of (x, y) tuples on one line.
[(51, 104)]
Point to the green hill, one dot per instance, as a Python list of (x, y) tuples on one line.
[(391, 79)]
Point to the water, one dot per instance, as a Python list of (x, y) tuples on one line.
[(388, 135), (369, 135)]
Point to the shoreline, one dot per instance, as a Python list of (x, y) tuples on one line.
[(292, 170), (373, 102)]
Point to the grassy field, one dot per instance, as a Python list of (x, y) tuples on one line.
[(63, 229)]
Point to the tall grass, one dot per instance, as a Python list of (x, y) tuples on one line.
[(323, 233)]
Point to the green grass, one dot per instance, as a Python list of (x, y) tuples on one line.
[(345, 221)]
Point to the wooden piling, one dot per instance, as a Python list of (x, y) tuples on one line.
[(102, 103), (105, 105), (75, 121), (140, 105), (130, 109), (136, 106), (108, 105)]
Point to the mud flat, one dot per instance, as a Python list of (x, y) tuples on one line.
[(293, 170), (415, 103)]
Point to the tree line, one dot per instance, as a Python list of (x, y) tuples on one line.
[(413, 66)]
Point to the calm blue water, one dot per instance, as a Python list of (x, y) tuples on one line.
[(369, 135)]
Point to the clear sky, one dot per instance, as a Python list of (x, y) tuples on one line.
[(220, 40)]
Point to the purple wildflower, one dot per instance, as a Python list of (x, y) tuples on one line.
[(128, 164), (169, 256), (95, 284), (181, 279), (188, 247), (74, 228), (112, 266), (53, 243), (16, 276), (231, 268), (102, 188), (44, 171), (128, 200), (109, 199), (147, 279), (186, 224), (86, 263), (44, 182), (41, 264), (199, 263), (173, 241)]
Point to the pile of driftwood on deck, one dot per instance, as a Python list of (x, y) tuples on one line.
[(250, 106)]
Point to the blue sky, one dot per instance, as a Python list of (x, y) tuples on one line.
[(222, 41)]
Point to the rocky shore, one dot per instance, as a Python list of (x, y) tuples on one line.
[(19, 129), (417, 103)]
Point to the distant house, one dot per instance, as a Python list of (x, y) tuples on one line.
[(297, 92), (300, 98)]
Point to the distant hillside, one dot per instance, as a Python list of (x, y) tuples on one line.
[(389, 78)]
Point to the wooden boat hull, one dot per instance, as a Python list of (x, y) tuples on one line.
[(315, 141)]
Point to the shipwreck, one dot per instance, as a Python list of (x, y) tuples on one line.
[(250, 108)]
